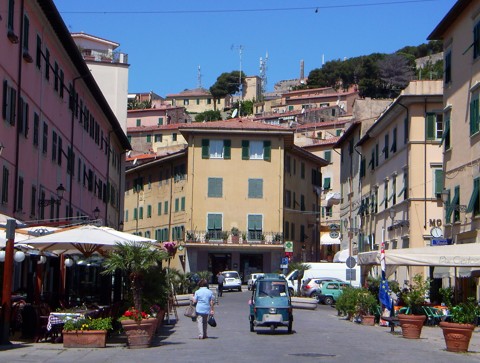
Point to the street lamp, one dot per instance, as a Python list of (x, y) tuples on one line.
[(47, 202), (397, 222), (445, 200)]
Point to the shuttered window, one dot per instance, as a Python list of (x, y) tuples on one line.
[(215, 187), (255, 188), (254, 226)]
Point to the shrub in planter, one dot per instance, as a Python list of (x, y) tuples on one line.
[(366, 305), (458, 331), (86, 333), (346, 303)]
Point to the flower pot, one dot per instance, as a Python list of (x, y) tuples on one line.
[(84, 338), (411, 325), (457, 336), (368, 320), (139, 334), (235, 239)]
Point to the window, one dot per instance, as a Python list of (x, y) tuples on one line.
[(288, 199), (287, 164), (26, 31), (159, 209), (438, 182), (215, 187), (448, 67), (149, 211), (446, 130), (474, 114), (177, 205), (135, 214), (186, 102), (476, 40), (149, 138), (158, 138), (302, 202), (327, 155), (182, 204), (54, 145), (140, 213), (11, 15), (386, 147), (254, 227), (255, 188), (38, 57), (47, 64), (214, 225), (405, 130), (45, 138), (139, 122), (434, 126), (5, 177), (393, 196), (9, 103), (174, 136), (160, 121), (287, 230), (326, 183), (55, 82), (474, 203), (302, 170), (393, 149), (198, 101), (216, 149), (165, 207), (256, 150)]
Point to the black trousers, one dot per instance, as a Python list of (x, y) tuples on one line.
[(220, 289)]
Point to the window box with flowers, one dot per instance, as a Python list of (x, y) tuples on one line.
[(86, 333)]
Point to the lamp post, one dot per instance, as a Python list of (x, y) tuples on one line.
[(47, 202)]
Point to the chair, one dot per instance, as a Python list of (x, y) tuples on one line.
[(433, 315), (404, 310), (16, 319), (41, 321)]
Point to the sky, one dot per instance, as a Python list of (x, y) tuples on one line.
[(167, 41)]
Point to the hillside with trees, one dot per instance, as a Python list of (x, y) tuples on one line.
[(378, 75)]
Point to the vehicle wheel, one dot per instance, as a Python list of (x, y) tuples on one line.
[(328, 300), (240, 289), (252, 327), (316, 296)]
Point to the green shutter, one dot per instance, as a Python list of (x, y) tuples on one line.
[(430, 127), (451, 205), (328, 156), (245, 150), (438, 181), (205, 148), (474, 197), (326, 183), (215, 187), (255, 188), (214, 222), (149, 211), (159, 211), (227, 146), (474, 115), (135, 215), (149, 138), (177, 204), (183, 204), (267, 150), (141, 212), (160, 121), (165, 207)]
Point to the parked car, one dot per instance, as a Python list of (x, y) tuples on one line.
[(271, 305), (252, 278), (232, 281), (312, 285), (330, 291)]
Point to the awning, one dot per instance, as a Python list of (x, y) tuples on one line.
[(369, 258), (341, 256), (442, 271), (463, 255), (326, 240)]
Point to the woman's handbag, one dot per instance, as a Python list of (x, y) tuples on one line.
[(190, 311), (211, 321)]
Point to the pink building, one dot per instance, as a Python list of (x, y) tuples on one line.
[(57, 129)]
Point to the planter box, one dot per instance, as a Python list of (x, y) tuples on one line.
[(411, 325), (139, 334), (457, 336), (84, 339)]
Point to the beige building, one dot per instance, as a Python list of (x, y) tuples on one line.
[(401, 176), (459, 31), (198, 100), (232, 198), (109, 66)]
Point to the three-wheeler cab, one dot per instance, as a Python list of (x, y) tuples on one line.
[(271, 305)]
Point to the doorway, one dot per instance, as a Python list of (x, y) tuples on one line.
[(250, 263)]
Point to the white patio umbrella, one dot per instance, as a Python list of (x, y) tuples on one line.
[(87, 239), (4, 218), (128, 236)]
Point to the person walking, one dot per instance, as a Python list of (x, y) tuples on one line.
[(220, 281), (204, 301)]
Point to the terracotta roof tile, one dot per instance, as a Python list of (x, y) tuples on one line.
[(154, 128), (232, 124)]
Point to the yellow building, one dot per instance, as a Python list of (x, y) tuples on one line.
[(238, 191), (459, 31)]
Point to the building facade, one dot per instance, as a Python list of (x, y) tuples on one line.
[(57, 130), (231, 198)]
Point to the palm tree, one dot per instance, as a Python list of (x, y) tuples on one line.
[(301, 268), (135, 260)]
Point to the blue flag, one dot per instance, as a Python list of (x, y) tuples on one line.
[(383, 295)]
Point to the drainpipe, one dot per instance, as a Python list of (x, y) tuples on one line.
[(19, 89), (425, 171)]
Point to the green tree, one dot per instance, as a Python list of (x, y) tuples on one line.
[(209, 115), (135, 260), (226, 84), (246, 109)]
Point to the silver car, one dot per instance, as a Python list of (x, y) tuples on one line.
[(252, 278), (232, 280)]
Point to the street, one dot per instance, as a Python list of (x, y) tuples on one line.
[(319, 336)]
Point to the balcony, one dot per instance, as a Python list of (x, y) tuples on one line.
[(100, 55), (225, 237)]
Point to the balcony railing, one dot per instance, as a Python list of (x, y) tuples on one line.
[(248, 237), (100, 55)]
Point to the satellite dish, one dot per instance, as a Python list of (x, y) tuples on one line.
[(135, 161), (234, 113), (129, 152)]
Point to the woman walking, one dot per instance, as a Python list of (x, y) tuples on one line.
[(204, 301)]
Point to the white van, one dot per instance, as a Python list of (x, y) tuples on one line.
[(326, 269)]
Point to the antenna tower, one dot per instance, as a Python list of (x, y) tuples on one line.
[(199, 77), (263, 74)]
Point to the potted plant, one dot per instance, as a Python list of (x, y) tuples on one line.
[(244, 238), (414, 299), (86, 332), (366, 305), (235, 234), (135, 259), (458, 331), (346, 303), (277, 237), (225, 236)]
